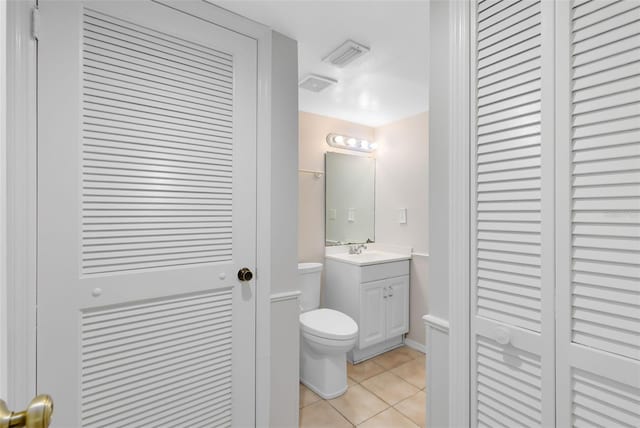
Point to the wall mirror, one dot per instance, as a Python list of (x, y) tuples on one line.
[(349, 199)]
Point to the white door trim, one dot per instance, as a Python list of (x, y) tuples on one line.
[(459, 209), (19, 212)]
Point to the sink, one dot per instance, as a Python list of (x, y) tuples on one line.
[(368, 257)]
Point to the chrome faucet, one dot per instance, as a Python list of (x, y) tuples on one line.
[(357, 248)]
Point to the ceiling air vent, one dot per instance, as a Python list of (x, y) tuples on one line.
[(348, 52), (315, 83)]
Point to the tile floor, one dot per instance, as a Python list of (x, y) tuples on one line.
[(385, 391)]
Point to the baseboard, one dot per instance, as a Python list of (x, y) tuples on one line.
[(415, 345), (357, 355)]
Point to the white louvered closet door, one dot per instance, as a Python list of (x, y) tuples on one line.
[(512, 198), (146, 212), (598, 223)]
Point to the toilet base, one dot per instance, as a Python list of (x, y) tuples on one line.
[(321, 394), (326, 375)]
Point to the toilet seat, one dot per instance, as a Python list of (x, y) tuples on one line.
[(328, 324)]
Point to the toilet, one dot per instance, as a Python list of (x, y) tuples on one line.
[(326, 337)]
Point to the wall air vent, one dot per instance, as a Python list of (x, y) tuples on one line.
[(346, 53), (315, 83)]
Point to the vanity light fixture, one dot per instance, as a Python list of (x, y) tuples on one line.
[(350, 143)]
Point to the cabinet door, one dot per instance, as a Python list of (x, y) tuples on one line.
[(372, 323), (397, 306)]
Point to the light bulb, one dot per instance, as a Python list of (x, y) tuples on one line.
[(339, 139), (352, 142), (373, 146), (364, 144)]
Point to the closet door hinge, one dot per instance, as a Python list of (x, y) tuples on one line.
[(35, 23)]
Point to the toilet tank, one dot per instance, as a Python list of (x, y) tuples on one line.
[(309, 278)]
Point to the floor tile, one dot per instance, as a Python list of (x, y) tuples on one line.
[(351, 382), (389, 387), (413, 372), (387, 419), (409, 352), (414, 408), (307, 396), (321, 414), (394, 358), (358, 404), (362, 371)]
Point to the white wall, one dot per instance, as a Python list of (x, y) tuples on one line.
[(439, 161), (284, 243), (438, 305), (402, 180), (3, 201), (437, 379)]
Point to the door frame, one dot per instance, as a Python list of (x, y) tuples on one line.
[(18, 212), (460, 213), (18, 200)]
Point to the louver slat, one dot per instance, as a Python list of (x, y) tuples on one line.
[(137, 356), (508, 193), (606, 184), (508, 386), (604, 402), (157, 154)]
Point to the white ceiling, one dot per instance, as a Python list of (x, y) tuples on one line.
[(388, 84)]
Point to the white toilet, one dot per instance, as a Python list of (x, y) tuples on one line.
[(326, 337)]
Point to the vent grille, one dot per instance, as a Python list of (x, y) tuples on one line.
[(157, 149), (315, 83), (606, 176), (346, 53), (138, 358)]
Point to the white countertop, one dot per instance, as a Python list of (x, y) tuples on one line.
[(368, 258), (374, 254)]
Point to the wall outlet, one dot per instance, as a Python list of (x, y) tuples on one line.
[(351, 215)]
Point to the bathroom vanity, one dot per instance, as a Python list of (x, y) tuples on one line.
[(372, 288)]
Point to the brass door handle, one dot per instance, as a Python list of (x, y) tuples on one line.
[(37, 415)]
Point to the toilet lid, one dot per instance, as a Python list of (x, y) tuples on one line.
[(329, 324)]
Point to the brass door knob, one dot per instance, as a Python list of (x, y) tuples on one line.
[(245, 274), (37, 415)]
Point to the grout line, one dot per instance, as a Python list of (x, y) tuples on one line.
[(385, 370), (373, 416), (407, 416)]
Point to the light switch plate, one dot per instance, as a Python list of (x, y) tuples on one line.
[(332, 214), (351, 215), (402, 216)]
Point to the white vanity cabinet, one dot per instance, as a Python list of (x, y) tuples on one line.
[(376, 296), (384, 310)]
